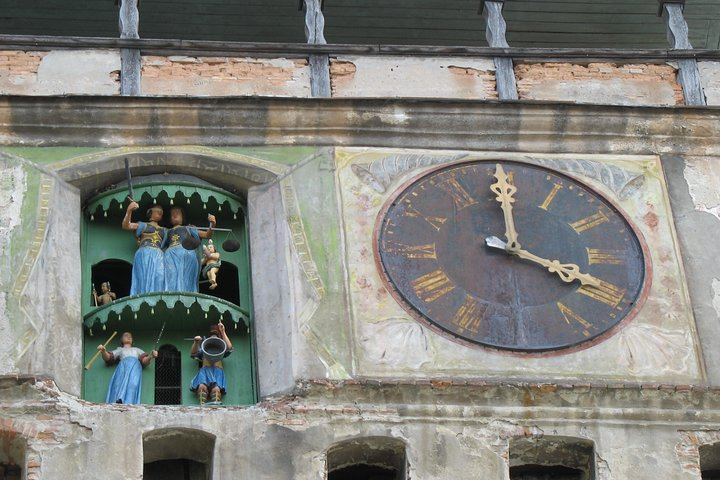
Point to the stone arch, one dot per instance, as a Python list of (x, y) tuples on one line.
[(178, 453), (563, 458), (232, 171), (383, 458)]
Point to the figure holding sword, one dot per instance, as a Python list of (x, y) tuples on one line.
[(148, 273)]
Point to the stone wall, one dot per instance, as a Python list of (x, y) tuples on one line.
[(449, 430)]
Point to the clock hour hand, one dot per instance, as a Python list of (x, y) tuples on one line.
[(504, 192), (567, 272)]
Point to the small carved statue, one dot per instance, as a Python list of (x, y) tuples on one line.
[(125, 384), (211, 264), (107, 296), (211, 377)]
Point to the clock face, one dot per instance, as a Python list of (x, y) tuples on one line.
[(435, 249)]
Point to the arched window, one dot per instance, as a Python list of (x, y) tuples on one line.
[(377, 458), (710, 461), (552, 458), (12, 455), (168, 376), (178, 453)]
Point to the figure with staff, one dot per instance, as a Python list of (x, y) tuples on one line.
[(126, 381), (106, 295), (211, 377), (182, 265)]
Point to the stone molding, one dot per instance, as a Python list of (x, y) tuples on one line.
[(92, 121)]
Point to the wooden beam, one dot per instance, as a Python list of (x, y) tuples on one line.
[(677, 33), (495, 29), (315, 35), (130, 59), (293, 50)]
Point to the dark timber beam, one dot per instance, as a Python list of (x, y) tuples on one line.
[(131, 61), (319, 63), (678, 38), (495, 28)]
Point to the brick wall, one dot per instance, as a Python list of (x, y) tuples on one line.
[(604, 83), (218, 76)]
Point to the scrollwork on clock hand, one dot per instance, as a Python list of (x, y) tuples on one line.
[(504, 192), (567, 272)]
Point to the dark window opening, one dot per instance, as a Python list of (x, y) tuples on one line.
[(364, 472), (545, 472), (168, 376), (372, 458), (178, 454), (710, 461), (177, 469), (552, 458), (228, 285), (117, 273)]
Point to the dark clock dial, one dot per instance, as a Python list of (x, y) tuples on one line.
[(434, 247)]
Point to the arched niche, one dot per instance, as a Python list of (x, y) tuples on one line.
[(201, 181), (380, 458), (171, 453), (13, 448), (552, 457)]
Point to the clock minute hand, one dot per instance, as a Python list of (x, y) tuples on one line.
[(504, 192), (567, 272)]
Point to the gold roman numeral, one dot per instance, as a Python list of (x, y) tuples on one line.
[(412, 251), (608, 257), (435, 222), (589, 222), (606, 293), (432, 286), (469, 315), (571, 316), (556, 188), (458, 193)]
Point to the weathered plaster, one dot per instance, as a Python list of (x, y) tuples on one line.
[(40, 289), (697, 226), (710, 81), (67, 72), (703, 177), (447, 429), (452, 77)]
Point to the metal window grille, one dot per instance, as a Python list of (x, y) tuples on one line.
[(168, 376)]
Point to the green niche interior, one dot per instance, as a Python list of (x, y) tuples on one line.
[(107, 256)]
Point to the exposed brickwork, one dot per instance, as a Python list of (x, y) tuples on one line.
[(219, 68), (487, 77), (14, 62), (529, 75)]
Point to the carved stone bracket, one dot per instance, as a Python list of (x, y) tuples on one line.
[(678, 38), (495, 34), (131, 61), (319, 64)]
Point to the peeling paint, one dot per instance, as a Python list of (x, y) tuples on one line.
[(702, 175)]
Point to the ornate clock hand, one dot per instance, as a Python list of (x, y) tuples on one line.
[(505, 192), (566, 271)]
